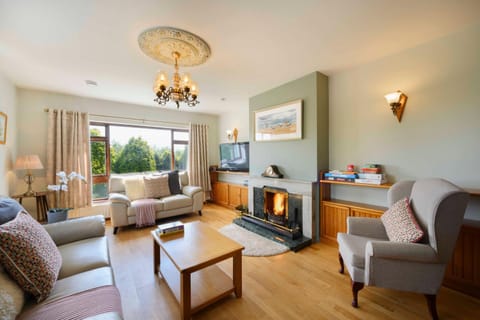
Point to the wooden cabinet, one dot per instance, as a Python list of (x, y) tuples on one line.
[(334, 213), (220, 193), (228, 194)]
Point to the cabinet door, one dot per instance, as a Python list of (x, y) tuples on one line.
[(244, 196), (333, 219), (366, 213), (233, 195), (220, 193)]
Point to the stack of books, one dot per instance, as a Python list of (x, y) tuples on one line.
[(371, 178), (371, 168), (170, 228), (345, 176)]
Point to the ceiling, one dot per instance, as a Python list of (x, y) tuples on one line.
[(256, 44)]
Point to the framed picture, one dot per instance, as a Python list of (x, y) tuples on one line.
[(282, 122), (3, 128)]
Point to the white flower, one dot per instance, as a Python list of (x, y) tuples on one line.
[(64, 179)]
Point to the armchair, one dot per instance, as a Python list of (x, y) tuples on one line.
[(372, 259)]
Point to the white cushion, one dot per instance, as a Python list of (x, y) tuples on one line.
[(134, 188)]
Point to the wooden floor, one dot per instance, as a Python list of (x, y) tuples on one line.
[(303, 285)]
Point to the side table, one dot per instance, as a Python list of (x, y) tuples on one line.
[(41, 200)]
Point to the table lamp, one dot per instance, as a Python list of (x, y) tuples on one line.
[(29, 162)]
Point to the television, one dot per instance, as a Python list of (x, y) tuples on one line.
[(234, 157)]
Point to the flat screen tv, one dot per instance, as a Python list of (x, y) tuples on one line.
[(234, 157)]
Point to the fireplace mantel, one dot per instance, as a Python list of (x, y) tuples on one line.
[(301, 187)]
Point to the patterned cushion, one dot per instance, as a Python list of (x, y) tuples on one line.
[(156, 187), (29, 255), (400, 223), (134, 188)]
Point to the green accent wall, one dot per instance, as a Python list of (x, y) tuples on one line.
[(296, 159)]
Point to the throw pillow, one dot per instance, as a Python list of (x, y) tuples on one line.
[(29, 255), (174, 182), (156, 187), (400, 223), (134, 188), (12, 297), (8, 209)]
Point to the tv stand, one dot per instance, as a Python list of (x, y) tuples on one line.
[(228, 194)]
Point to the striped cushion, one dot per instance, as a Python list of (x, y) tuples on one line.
[(400, 223), (29, 255)]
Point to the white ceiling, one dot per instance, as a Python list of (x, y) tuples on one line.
[(256, 45)]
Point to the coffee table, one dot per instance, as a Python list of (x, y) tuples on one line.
[(188, 266)]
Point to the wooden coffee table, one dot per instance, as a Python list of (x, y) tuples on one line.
[(188, 266)]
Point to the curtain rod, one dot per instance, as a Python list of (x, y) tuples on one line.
[(127, 118)]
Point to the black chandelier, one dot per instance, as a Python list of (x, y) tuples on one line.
[(182, 90)]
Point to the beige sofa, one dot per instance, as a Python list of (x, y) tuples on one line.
[(85, 273), (122, 199)]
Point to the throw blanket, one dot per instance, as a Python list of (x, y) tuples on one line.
[(81, 305), (145, 212)]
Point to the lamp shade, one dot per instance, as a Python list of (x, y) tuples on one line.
[(393, 97), (29, 162)]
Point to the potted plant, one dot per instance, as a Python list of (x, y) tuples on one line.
[(61, 214)]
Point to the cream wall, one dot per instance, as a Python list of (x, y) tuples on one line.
[(440, 131), (8, 151), (231, 120), (32, 124)]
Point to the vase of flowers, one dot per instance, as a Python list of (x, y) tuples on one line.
[(61, 214)]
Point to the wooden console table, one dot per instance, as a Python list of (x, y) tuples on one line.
[(42, 203)]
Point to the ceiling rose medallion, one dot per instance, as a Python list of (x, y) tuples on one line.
[(178, 48)]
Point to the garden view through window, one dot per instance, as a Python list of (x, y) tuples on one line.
[(117, 149)]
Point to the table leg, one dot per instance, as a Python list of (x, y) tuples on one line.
[(39, 213), (44, 205), (156, 257), (185, 295), (237, 273)]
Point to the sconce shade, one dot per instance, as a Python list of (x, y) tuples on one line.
[(397, 101), (29, 162)]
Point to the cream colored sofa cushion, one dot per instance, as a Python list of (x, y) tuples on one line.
[(156, 186), (12, 297), (83, 255), (134, 188)]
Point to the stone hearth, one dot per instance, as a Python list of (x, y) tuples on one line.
[(302, 190)]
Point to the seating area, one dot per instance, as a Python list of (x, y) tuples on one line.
[(170, 194), (54, 271)]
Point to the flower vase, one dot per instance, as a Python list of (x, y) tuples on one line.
[(57, 215)]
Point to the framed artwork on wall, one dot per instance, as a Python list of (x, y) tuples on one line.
[(282, 122), (3, 128)]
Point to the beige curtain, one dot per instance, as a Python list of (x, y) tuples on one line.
[(198, 158), (68, 149)]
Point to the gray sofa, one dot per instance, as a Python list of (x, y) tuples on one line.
[(86, 271), (122, 201)]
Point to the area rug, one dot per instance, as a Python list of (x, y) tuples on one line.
[(255, 245)]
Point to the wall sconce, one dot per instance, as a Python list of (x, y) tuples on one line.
[(397, 101), (232, 134), (229, 134)]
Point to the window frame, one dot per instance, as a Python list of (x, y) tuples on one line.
[(105, 178)]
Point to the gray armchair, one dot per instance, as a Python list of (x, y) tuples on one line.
[(371, 259)]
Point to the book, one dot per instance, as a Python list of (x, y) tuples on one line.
[(340, 179), (371, 170), (340, 175), (370, 181), (169, 228), (373, 176)]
